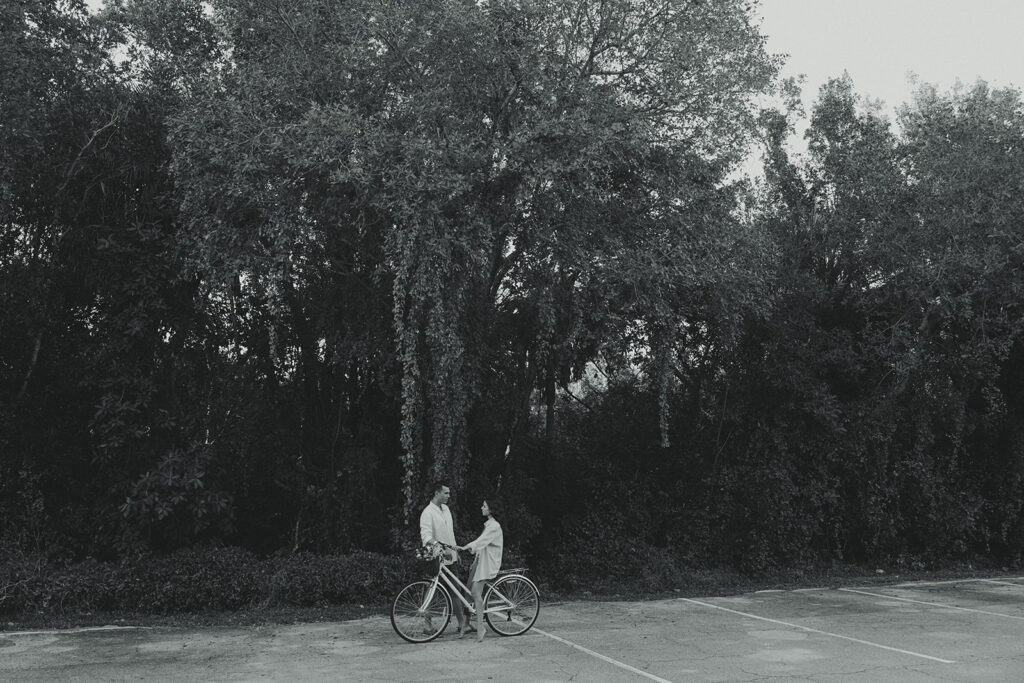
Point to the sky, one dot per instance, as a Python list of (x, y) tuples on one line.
[(880, 43)]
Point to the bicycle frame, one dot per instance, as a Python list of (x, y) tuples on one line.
[(511, 603), (450, 581)]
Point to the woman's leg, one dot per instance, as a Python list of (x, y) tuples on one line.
[(464, 616), (478, 602), (469, 583)]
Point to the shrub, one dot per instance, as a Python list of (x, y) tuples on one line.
[(194, 581), (197, 580)]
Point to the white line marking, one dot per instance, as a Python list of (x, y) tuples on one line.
[(824, 633), (935, 583), (57, 632), (937, 605), (952, 581), (600, 656), (1001, 583)]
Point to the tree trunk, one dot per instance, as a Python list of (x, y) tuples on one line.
[(31, 365)]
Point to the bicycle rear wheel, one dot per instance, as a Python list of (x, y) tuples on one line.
[(421, 611), (511, 605)]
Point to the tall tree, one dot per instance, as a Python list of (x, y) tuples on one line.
[(965, 152), (489, 161)]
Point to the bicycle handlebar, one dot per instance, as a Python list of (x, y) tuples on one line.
[(442, 553)]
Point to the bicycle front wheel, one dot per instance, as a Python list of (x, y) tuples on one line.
[(421, 611), (511, 605)]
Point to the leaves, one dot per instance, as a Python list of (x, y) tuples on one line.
[(277, 264)]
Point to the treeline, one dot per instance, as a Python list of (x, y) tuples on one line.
[(267, 269)]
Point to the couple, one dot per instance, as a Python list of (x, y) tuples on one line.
[(436, 525)]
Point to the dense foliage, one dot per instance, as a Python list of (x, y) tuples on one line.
[(197, 581), (267, 269)]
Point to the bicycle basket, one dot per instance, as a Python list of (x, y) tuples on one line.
[(428, 560)]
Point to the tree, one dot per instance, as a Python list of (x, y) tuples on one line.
[(94, 292), (489, 161), (964, 161)]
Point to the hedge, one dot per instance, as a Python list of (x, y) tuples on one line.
[(198, 580)]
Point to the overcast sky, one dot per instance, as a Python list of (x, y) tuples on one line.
[(880, 42)]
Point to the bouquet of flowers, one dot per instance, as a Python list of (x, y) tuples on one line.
[(431, 551)]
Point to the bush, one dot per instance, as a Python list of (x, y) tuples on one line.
[(197, 580), (194, 581), (307, 579), (599, 550)]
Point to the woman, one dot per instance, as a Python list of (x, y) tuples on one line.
[(487, 549)]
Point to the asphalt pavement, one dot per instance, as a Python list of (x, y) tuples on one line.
[(968, 630)]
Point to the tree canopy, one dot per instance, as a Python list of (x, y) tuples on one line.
[(268, 269)]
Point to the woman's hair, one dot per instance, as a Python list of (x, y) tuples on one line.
[(494, 506)]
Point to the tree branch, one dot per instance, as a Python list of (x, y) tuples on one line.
[(69, 174)]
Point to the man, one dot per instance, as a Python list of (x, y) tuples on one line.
[(436, 525)]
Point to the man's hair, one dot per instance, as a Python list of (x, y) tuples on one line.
[(438, 485)]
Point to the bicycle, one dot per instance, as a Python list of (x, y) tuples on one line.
[(423, 609)]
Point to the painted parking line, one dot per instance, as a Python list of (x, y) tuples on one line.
[(820, 632), (937, 605), (911, 584), (1011, 582), (62, 631), (603, 658)]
